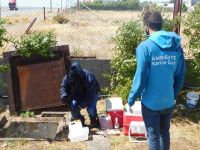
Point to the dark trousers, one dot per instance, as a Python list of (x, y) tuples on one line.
[(91, 108), (157, 125)]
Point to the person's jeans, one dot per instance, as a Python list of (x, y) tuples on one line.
[(91, 108), (157, 125)]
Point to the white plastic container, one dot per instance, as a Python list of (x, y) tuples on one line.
[(114, 103), (137, 127), (105, 122), (192, 99), (77, 133), (75, 126), (79, 136)]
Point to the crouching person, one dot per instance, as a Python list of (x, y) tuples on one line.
[(80, 89)]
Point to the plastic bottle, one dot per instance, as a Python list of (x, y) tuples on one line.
[(116, 125)]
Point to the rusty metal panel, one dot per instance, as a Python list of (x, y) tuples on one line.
[(40, 83), (35, 81)]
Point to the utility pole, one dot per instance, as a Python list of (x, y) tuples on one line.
[(50, 5)]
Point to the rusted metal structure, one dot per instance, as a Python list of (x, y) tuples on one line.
[(177, 12), (34, 82)]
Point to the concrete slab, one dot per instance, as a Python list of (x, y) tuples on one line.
[(98, 142)]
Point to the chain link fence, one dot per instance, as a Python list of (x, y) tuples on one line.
[(88, 32)]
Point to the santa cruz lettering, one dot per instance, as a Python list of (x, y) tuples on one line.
[(163, 60)]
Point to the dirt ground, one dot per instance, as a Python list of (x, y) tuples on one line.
[(185, 135)]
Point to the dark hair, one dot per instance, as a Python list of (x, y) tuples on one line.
[(153, 20)]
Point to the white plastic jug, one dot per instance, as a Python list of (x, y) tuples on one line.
[(75, 126), (79, 136), (105, 122), (114, 103), (77, 133)]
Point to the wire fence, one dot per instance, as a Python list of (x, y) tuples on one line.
[(87, 32)]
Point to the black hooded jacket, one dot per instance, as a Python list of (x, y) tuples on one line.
[(79, 84)]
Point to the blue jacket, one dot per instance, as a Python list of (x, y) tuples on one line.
[(79, 84), (160, 71)]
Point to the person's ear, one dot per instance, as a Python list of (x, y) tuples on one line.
[(146, 30)]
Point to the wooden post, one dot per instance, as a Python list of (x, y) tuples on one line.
[(31, 24), (44, 13)]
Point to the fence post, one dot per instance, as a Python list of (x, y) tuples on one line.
[(44, 13)]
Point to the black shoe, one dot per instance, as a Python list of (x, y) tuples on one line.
[(94, 123)]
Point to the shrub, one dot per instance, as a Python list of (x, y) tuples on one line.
[(2, 33), (123, 63), (171, 24), (36, 44), (118, 5), (61, 19), (192, 31)]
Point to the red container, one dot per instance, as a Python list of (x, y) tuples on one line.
[(116, 114), (126, 123)]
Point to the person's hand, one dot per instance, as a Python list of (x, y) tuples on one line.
[(174, 102), (64, 99), (128, 108)]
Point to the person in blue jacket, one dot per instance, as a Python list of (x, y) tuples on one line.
[(80, 89), (158, 79)]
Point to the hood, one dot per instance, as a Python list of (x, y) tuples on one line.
[(76, 67), (166, 39)]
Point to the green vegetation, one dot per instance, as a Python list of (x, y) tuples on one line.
[(36, 44), (118, 5), (27, 114), (123, 63), (2, 33), (192, 31)]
